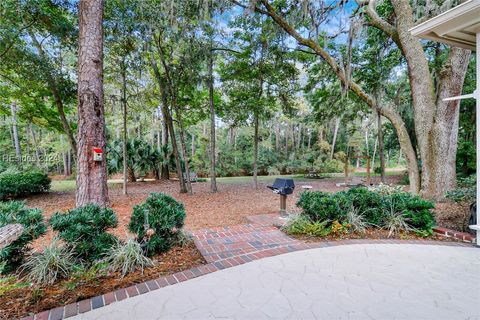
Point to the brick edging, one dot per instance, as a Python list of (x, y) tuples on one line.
[(83, 306), (463, 236)]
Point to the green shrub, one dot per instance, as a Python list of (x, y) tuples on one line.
[(361, 207), (300, 224), (54, 263), (127, 257), (466, 190), (83, 229), (163, 215), (33, 224), (17, 184), (319, 206)]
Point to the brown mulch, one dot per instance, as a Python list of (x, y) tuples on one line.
[(373, 233), (453, 215), (229, 206), (23, 301)]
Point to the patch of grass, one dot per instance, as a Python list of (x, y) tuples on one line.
[(70, 185)]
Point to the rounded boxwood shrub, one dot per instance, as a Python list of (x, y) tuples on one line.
[(156, 222), (32, 221), (17, 184), (84, 230)]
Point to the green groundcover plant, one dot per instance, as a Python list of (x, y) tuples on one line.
[(84, 230), (157, 222), (32, 221), (360, 207)]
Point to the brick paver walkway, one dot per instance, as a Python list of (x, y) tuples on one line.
[(223, 247)]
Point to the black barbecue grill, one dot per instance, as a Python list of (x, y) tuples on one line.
[(283, 187)]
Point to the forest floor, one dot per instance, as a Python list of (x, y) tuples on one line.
[(235, 200)]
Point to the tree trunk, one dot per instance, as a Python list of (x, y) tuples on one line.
[(16, 139), (277, 136), (183, 147), (436, 121), (91, 175), (213, 176), (334, 140), (131, 174), (124, 124), (380, 148), (35, 144), (255, 149), (165, 171), (162, 85), (193, 145)]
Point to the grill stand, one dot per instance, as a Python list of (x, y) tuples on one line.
[(283, 205)]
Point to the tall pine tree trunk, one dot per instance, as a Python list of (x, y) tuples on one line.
[(380, 148), (16, 138), (124, 125), (91, 175), (334, 140), (213, 176), (255, 149)]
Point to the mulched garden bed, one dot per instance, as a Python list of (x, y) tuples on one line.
[(372, 233), (452, 215), (21, 302)]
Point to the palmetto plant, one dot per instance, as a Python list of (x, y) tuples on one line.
[(141, 158)]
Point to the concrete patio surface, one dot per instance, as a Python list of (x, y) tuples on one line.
[(362, 281)]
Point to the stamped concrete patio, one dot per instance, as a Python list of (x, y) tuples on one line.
[(356, 281)]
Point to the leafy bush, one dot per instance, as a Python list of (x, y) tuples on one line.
[(127, 257), (466, 190), (83, 229), (16, 184), (157, 221), (361, 207), (385, 189), (300, 224), (55, 262), (32, 221)]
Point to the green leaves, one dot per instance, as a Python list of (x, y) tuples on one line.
[(376, 209), (160, 214), (32, 221), (83, 229)]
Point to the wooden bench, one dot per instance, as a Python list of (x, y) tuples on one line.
[(193, 176), (10, 233), (314, 175)]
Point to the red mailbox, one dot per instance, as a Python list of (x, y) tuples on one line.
[(97, 154)]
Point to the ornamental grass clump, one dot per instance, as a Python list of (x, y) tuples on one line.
[(12, 212), (84, 230), (55, 262), (157, 222), (127, 257)]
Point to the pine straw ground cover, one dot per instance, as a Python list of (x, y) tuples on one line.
[(25, 300)]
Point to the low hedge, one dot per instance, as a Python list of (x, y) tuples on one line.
[(84, 230), (160, 215), (372, 206), (32, 221), (18, 184)]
